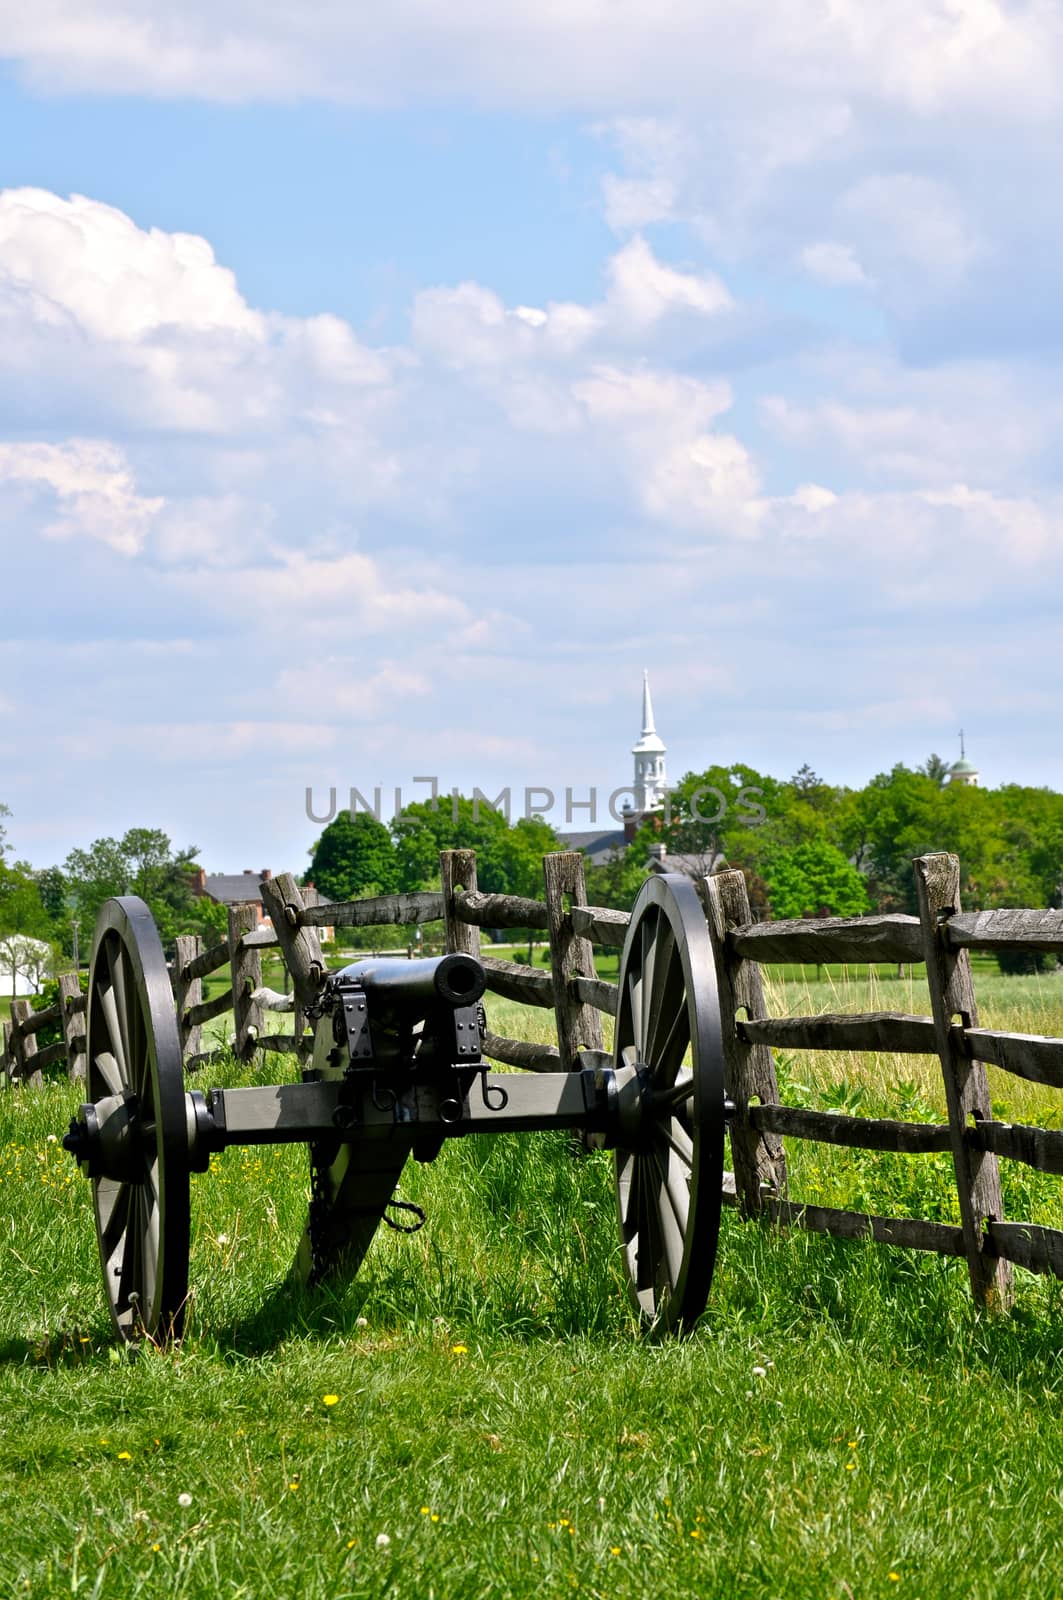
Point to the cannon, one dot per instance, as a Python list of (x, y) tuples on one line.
[(397, 1070)]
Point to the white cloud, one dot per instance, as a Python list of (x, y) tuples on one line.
[(1019, 526), (923, 55), (642, 289), (338, 688), (90, 484), (376, 537), (681, 475), (647, 401), (469, 326), (148, 328), (983, 422), (631, 203), (708, 482), (369, 596), (910, 230), (204, 742), (803, 133), (812, 497), (86, 262), (833, 263), (922, 549)]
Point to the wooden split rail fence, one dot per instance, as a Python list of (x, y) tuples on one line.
[(941, 937)]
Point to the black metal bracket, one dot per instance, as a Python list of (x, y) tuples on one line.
[(353, 1011)]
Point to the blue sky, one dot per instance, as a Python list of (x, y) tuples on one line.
[(381, 392)]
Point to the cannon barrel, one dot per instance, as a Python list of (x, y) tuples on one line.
[(415, 987)]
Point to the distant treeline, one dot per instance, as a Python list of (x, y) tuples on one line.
[(808, 847), (811, 847)]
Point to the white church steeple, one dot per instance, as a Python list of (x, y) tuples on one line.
[(651, 782)]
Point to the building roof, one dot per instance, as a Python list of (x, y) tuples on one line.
[(597, 846), (693, 866), (963, 765), (233, 888)]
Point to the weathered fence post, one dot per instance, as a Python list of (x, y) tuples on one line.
[(187, 992), (457, 870), (937, 881), (72, 1022), (246, 966), (299, 945), (311, 897), (749, 1070), (579, 1025), (7, 1056), (25, 1045)]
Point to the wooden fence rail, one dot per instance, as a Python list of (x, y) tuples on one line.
[(939, 940)]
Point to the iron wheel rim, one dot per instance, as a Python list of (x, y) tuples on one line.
[(143, 1220), (669, 1183)]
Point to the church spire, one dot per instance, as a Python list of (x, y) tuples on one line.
[(651, 782), (647, 705)]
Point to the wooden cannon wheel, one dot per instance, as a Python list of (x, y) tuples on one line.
[(669, 1178), (135, 1069)]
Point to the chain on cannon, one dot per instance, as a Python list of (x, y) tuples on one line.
[(398, 1070)]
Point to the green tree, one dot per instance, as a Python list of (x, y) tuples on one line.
[(27, 949), (1032, 823), (808, 786), (814, 879), (52, 887), (719, 811), (616, 882), (354, 857), (142, 862), (896, 816), (508, 859), (937, 769), (512, 859), (21, 909), (207, 918)]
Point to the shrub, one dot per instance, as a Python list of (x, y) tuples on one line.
[(1018, 963)]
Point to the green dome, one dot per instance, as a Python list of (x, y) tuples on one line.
[(963, 765)]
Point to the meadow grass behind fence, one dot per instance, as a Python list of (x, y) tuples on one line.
[(477, 1415)]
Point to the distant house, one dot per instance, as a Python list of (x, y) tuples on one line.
[(232, 888), (598, 847), (242, 889), (696, 865)]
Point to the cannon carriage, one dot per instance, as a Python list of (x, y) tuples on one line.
[(399, 1067)]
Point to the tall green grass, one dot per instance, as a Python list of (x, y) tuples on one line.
[(479, 1399)]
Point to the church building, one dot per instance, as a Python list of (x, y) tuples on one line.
[(963, 772), (651, 781), (648, 790)]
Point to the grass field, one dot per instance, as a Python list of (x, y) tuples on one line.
[(477, 1416)]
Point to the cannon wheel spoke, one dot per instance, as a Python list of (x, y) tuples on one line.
[(669, 1178)]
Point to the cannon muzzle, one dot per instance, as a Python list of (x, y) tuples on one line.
[(410, 989)]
